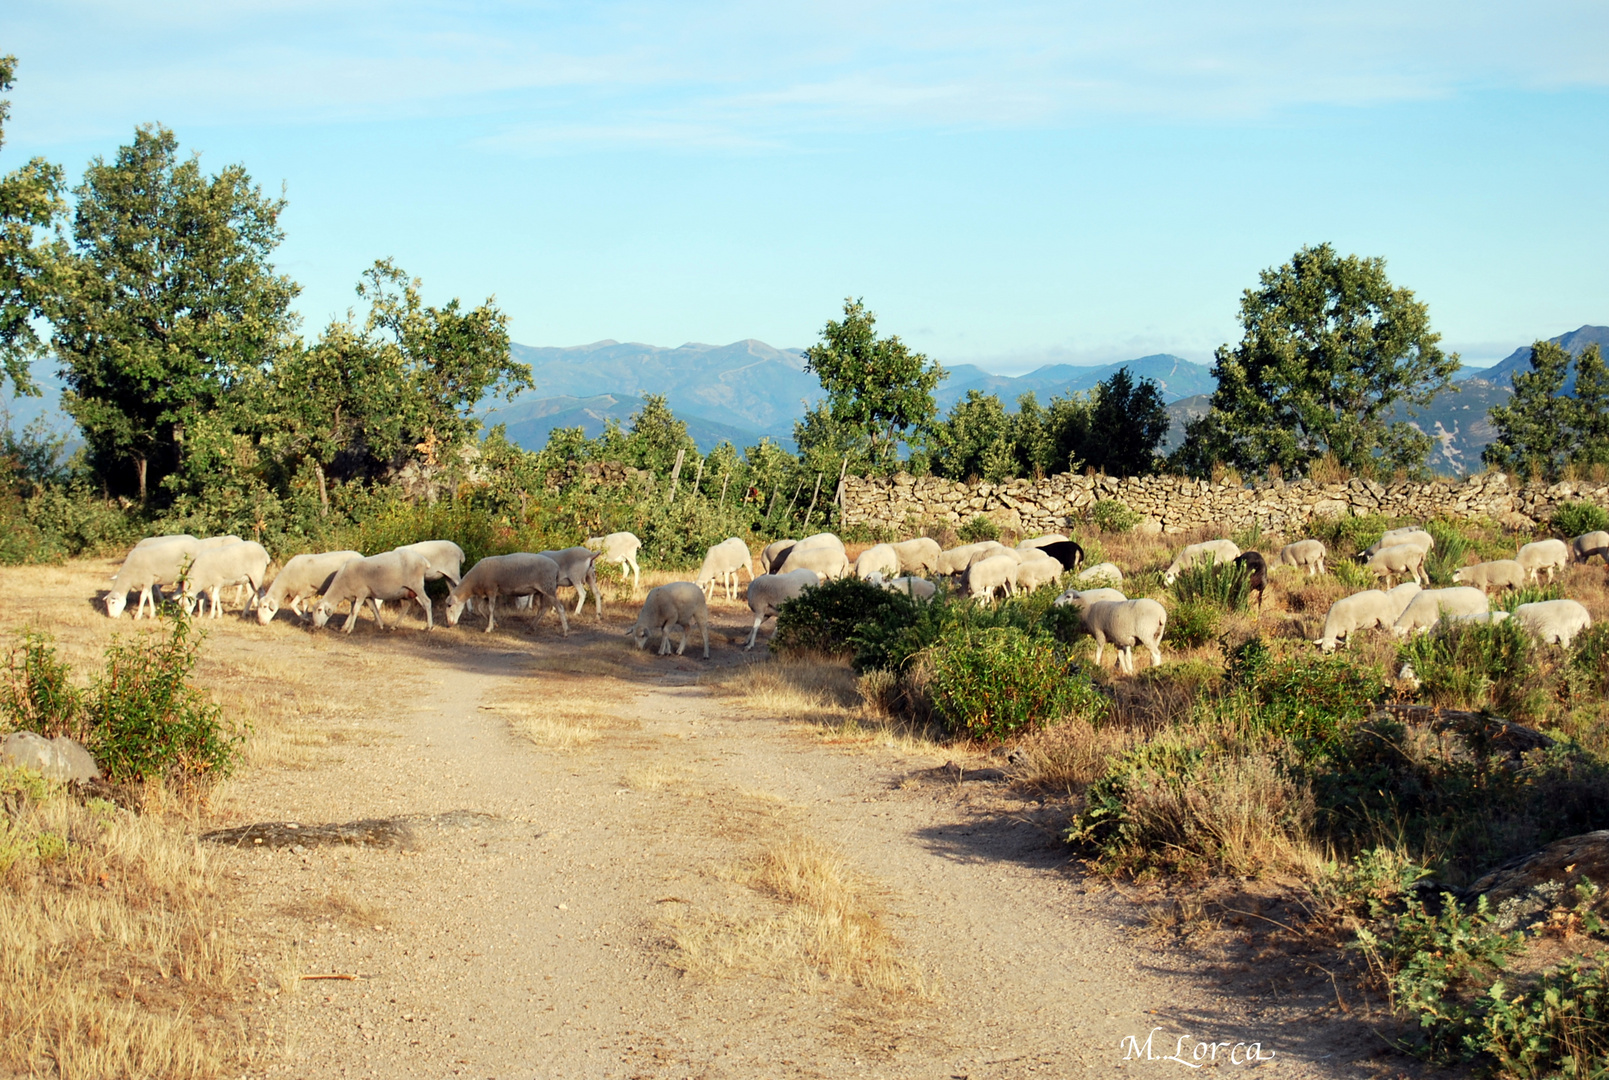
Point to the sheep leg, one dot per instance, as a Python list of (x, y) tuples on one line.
[(1156, 652), (664, 639), (597, 593), (704, 625), (681, 648), (1100, 646), (145, 594), (636, 575), (491, 612), (755, 633)]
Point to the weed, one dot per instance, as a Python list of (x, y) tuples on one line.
[(1224, 585), (1191, 624), (1576, 518), (1448, 553), (36, 690), (978, 529), (1111, 516), (1474, 665)]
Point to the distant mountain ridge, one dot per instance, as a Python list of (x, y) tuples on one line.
[(1519, 361)]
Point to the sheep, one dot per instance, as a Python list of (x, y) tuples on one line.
[(244, 563), (1409, 535), (954, 560), (1082, 598), (1257, 573), (443, 558), (914, 587), (1221, 551), (988, 549), (1428, 607), (620, 547), (164, 538), (921, 555), (303, 577), (521, 574), (774, 553), (724, 561), (826, 561), (1034, 572), (877, 559), (578, 570), (983, 578), (145, 568), (1307, 554), (1066, 552), (1399, 558), (1550, 554), (1127, 623), (1587, 545), (393, 575), (1363, 611), (1499, 573), (679, 604), (1474, 617), (1554, 620), (768, 592), (1100, 574)]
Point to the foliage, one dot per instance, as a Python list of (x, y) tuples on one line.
[(996, 682), (1448, 554), (1224, 585), (978, 529), (976, 439), (1330, 349), (37, 693), (1127, 424), (1579, 518), (825, 618), (1109, 515), (1541, 429), (1348, 535), (1557, 1026), (30, 205), (1191, 624), (1310, 699), (1474, 665)]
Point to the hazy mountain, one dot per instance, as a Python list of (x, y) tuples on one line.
[(1176, 377), (529, 420), (1576, 341)]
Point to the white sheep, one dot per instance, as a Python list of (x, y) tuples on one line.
[(914, 587), (1428, 607), (985, 577), (1554, 620), (1083, 598), (1307, 554), (1127, 623), (768, 592), (1411, 534), (393, 575), (578, 570), (1101, 574), (164, 538), (1550, 554), (919, 555), (877, 559), (723, 562), (773, 554), (1364, 611), (954, 560), (149, 566), (1222, 552), (1035, 571), (989, 549), (1586, 545), (521, 574), (827, 561), (677, 605), (1397, 559), (620, 547), (443, 558), (304, 577), (1486, 617), (1496, 574), (215, 569)]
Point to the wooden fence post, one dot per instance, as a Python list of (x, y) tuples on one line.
[(699, 479), (812, 509), (676, 473), (775, 491), (795, 500), (725, 479)]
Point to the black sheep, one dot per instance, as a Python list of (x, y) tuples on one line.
[(1254, 562), (1066, 552)]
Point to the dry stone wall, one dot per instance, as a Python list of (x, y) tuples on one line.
[(1173, 504)]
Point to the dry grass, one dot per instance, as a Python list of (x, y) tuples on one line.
[(1072, 755), (566, 703)]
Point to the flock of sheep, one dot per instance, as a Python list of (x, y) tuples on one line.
[(315, 586)]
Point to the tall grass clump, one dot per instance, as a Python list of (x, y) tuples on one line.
[(1225, 585), (1475, 666), (1449, 553), (1575, 518)]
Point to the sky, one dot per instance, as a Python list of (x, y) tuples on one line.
[(1005, 183)]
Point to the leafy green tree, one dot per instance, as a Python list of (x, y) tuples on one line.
[(30, 203), (975, 440), (1330, 348), (1542, 430), (827, 442), (878, 391), (166, 303), (654, 438), (1067, 421), (1032, 437), (1126, 425)]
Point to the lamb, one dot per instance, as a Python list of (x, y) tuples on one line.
[(1429, 606), (1363, 611), (983, 578), (578, 570), (825, 560), (877, 559), (679, 604), (1550, 554), (1554, 620), (145, 568), (443, 557), (620, 547), (921, 555), (1257, 573), (1308, 554), (244, 563), (1034, 572), (1397, 559), (1220, 551), (768, 592), (304, 576), (1411, 535), (1127, 623), (724, 561), (521, 574), (1100, 574), (1587, 545), (393, 575), (1082, 598), (1499, 574)]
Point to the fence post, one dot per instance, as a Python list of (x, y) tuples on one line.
[(699, 479), (725, 479), (676, 473), (812, 509), (795, 500), (775, 491), (838, 495)]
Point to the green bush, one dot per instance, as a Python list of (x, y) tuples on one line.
[(1304, 697), (1352, 575), (978, 529), (1191, 624), (1448, 554), (1572, 519), (1111, 516), (1556, 1026), (997, 682), (37, 693), (1589, 662), (1530, 594), (1224, 585), (827, 617), (1346, 536), (1474, 665)]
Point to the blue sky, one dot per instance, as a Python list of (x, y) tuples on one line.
[(1006, 184)]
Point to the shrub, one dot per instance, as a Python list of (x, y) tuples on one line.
[(1589, 662), (1448, 554), (1248, 538), (1346, 536), (1473, 665), (826, 618), (1575, 518), (978, 529), (1224, 585), (1305, 697), (1530, 594), (999, 681), (1352, 574), (1111, 516), (1191, 624), (36, 690)]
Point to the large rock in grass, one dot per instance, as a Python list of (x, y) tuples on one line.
[(58, 759), (1524, 890)]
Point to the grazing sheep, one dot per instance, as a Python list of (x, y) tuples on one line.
[(1589, 544), (914, 587), (768, 592), (304, 577), (620, 547), (521, 574), (1220, 551), (443, 557), (1257, 576), (1307, 554), (877, 559), (679, 604), (1083, 598), (1066, 552), (774, 553), (393, 575), (1474, 617), (1497, 574), (826, 561), (1036, 571), (983, 578), (578, 570), (1397, 559), (988, 549), (1100, 574), (215, 569), (1410, 535), (955, 560), (918, 556), (164, 538), (1364, 611), (1427, 609), (1041, 541), (1550, 554), (146, 568), (1554, 620), (1127, 623), (724, 561)]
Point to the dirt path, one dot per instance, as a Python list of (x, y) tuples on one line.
[(562, 912)]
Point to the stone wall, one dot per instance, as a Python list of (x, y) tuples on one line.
[(1174, 504)]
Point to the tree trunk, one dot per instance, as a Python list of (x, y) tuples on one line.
[(323, 491), (140, 465)]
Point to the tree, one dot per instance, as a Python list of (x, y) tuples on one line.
[(975, 440), (878, 390), (30, 202), (1126, 424), (1330, 348), (655, 437), (1542, 430), (167, 302)]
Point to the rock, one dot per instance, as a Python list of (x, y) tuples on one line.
[(1149, 526), (57, 759), (1522, 890)]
